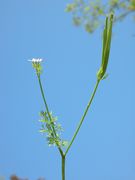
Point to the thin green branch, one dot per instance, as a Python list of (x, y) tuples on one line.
[(47, 109), (83, 117)]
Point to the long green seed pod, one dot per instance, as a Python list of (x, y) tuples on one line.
[(107, 35)]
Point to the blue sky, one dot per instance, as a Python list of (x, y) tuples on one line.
[(105, 146)]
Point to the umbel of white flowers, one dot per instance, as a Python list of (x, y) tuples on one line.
[(36, 63), (34, 60)]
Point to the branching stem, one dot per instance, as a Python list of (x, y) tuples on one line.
[(63, 155)]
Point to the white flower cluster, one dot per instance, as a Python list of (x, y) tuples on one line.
[(34, 60)]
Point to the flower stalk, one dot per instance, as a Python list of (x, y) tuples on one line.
[(46, 106)]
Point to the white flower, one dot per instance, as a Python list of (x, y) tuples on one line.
[(34, 60)]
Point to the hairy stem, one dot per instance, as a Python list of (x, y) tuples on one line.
[(83, 117)]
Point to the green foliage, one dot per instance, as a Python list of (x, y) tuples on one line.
[(90, 13), (52, 129), (70, 7)]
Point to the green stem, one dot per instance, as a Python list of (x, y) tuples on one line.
[(83, 117), (43, 96), (63, 167), (47, 109)]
